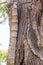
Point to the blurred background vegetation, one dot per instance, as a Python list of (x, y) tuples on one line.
[(3, 11), (3, 55), (3, 17)]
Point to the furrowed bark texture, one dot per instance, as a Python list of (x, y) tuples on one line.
[(29, 42)]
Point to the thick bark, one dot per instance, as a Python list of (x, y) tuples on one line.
[(29, 43), (13, 22), (28, 52)]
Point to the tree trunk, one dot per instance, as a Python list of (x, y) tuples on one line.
[(13, 23), (29, 42)]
